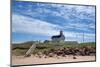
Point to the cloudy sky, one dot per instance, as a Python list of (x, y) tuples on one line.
[(40, 21)]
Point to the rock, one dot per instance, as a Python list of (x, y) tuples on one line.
[(77, 53), (63, 55), (27, 55), (92, 54), (74, 57), (39, 56), (45, 57), (50, 55)]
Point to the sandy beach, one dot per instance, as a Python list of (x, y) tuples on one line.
[(20, 60)]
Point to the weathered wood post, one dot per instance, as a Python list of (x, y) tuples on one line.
[(31, 49)]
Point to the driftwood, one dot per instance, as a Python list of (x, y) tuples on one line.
[(31, 49)]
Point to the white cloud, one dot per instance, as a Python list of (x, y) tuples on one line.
[(75, 36), (24, 24), (80, 26), (29, 25), (63, 11), (76, 10)]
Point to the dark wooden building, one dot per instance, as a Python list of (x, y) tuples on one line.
[(58, 38)]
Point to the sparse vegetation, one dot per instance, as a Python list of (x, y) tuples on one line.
[(55, 48)]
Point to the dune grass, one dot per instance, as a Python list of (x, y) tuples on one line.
[(20, 49)]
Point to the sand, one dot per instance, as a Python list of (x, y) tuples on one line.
[(20, 60)]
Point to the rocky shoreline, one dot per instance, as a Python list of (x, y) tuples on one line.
[(76, 51)]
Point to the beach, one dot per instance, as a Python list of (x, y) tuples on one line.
[(21, 60)]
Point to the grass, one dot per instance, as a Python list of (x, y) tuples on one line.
[(20, 49)]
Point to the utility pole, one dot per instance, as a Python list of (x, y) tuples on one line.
[(83, 36)]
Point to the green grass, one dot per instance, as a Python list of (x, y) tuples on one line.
[(19, 52), (20, 49), (93, 44)]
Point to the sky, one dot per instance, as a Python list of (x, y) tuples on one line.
[(32, 21)]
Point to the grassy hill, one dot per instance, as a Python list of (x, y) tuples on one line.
[(21, 48)]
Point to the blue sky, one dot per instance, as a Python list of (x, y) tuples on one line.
[(40, 21)]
